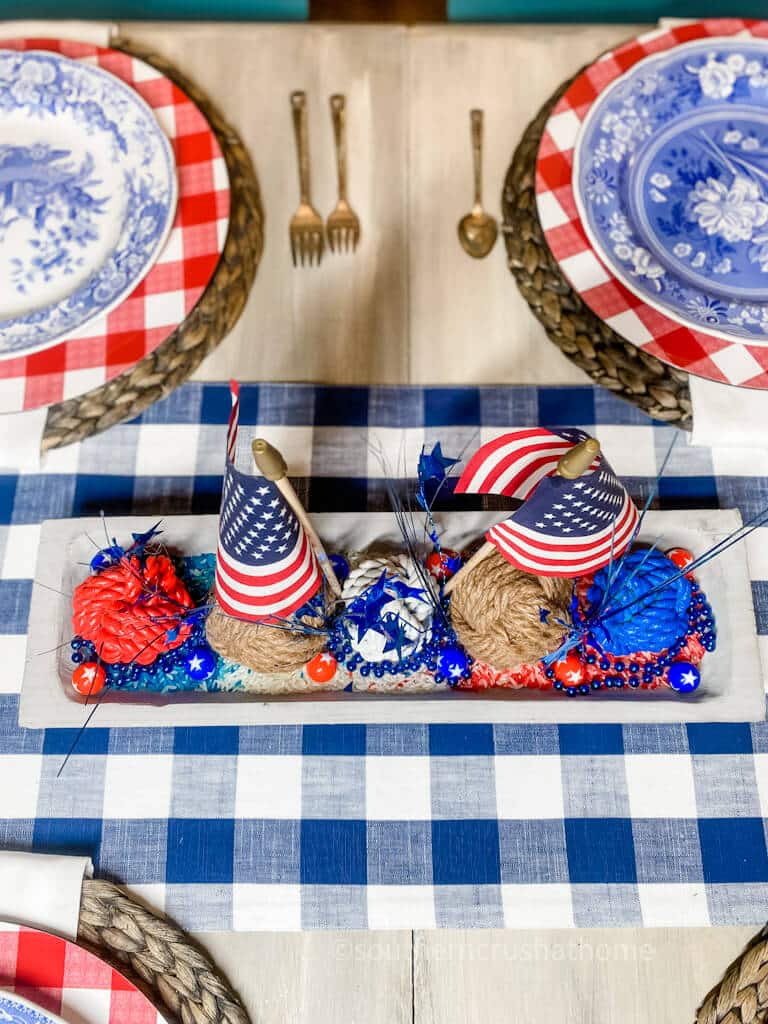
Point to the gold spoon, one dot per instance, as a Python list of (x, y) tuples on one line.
[(478, 230)]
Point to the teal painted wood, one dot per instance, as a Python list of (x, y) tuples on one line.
[(160, 10), (598, 10)]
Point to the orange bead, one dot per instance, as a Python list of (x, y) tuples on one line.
[(570, 670), (89, 679), (322, 668), (681, 557)]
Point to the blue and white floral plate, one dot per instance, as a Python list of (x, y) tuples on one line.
[(16, 1010), (87, 196), (671, 183)]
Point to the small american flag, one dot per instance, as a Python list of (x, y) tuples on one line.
[(565, 527), (265, 565)]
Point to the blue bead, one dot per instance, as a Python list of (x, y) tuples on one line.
[(619, 666), (609, 682), (571, 691), (591, 659), (378, 671), (584, 688), (340, 567), (605, 664), (558, 685), (633, 666), (596, 684), (439, 677), (618, 683), (634, 681), (77, 657), (365, 670), (452, 662), (683, 677), (549, 673)]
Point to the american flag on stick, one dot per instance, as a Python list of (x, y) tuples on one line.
[(265, 565), (565, 527)]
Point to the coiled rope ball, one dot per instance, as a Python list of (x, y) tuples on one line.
[(264, 649), (496, 612)]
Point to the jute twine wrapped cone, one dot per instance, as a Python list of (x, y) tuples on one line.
[(495, 610), (265, 649), (262, 647)]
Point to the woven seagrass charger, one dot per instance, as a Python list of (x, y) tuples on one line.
[(611, 361), (212, 318), (161, 960)]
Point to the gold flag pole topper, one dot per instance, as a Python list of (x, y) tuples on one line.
[(272, 465), (571, 465)]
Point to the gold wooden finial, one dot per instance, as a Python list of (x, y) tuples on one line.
[(578, 459), (273, 466), (270, 462)]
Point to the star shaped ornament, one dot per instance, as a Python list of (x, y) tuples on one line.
[(434, 465)]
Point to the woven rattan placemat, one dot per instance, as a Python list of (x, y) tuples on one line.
[(215, 314), (163, 961), (658, 389)]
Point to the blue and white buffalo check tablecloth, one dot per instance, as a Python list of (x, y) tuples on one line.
[(385, 826)]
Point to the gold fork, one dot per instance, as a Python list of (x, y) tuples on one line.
[(306, 227), (343, 225)]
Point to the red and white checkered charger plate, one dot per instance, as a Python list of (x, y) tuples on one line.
[(111, 344), (697, 352), (67, 980)]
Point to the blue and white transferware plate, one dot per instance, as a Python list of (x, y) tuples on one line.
[(15, 1010), (671, 182), (87, 196)]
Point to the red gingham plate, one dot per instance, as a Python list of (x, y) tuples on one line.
[(109, 345), (729, 362), (68, 981)]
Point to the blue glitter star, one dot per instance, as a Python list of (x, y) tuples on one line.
[(403, 591), (394, 630), (140, 540), (365, 610), (433, 465)]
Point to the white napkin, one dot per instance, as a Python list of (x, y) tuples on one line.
[(42, 890), (20, 437), (725, 416)]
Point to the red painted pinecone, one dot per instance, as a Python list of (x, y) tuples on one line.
[(127, 610)]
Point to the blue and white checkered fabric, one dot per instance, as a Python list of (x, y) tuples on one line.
[(386, 826)]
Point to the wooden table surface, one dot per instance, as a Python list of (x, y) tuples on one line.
[(595, 976)]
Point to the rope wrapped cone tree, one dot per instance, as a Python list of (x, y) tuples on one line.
[(571, 465), (259, 646)]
